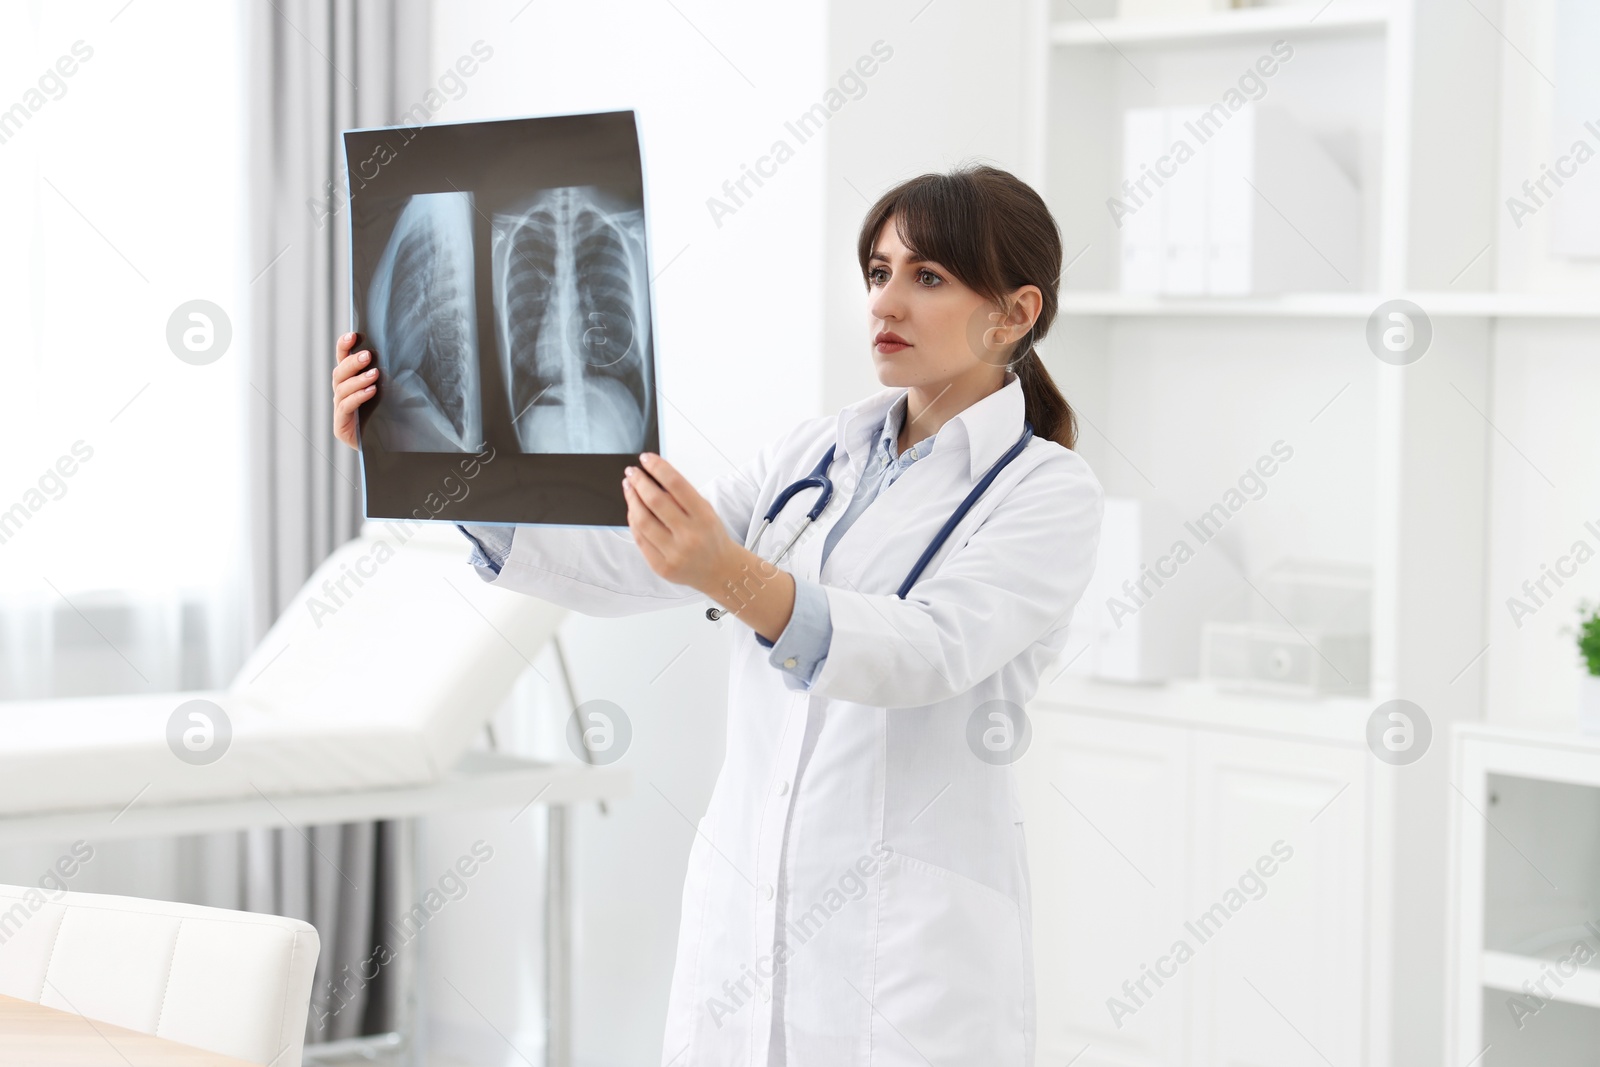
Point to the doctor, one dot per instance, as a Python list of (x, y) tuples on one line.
[(857, 892)]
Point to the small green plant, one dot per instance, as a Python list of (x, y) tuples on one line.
[(1589, 636)]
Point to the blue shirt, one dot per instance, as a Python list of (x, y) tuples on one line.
[(802, 647)]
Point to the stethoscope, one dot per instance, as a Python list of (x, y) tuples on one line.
[(818, 479)]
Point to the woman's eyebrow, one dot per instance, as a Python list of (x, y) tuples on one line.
[(909, 259)]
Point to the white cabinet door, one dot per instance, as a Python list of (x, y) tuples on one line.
[(1277, 906), (1106, 832)]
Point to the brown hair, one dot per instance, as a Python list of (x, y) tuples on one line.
[(992, 231)]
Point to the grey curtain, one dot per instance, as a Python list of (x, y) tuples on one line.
[(317, 67)]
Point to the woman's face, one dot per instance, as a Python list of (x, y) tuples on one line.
[(951, 333)]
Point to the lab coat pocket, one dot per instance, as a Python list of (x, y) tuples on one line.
[(950, 962)]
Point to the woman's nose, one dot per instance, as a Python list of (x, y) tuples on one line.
[(886, 302)]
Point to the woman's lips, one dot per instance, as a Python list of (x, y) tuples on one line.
[(889, 347)]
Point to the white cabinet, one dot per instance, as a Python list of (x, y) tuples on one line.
[(1524, 984), (1205, 888), (1107, 843), (1280, 981)]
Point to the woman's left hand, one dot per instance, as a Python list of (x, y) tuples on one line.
[(680, 533)]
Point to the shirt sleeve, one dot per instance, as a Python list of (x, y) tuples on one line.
[(803, 646), (490, 546)]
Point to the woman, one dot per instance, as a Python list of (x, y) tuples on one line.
[(857, 891)]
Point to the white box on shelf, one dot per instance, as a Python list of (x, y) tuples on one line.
[(1302, 229), (1309, 632), (1269, 208), (1286, 660), (1326, 594), (1140, 616), (1140, 9)]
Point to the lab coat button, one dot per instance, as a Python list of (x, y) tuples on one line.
[(790, 662), (766, 890), (781, 788), (766, 994)]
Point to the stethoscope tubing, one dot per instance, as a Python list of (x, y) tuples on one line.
[(818, 479)]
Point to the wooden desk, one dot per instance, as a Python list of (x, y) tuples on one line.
[(35, 1035)]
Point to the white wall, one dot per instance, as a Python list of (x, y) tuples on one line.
[(955, 88)]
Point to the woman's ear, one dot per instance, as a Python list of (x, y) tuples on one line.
[(1025, 304)]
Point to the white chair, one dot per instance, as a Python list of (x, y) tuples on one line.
[(231, 982)]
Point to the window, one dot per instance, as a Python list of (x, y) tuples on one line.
[(122, 466)]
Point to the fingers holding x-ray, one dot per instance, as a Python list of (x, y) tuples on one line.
[(572, 312), (424, 328), (499, 274)]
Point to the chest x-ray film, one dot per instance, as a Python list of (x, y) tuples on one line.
[(500, 274)]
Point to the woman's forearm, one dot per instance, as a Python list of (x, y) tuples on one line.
[(754, 591)]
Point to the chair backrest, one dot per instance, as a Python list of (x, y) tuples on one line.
[(232, 982)]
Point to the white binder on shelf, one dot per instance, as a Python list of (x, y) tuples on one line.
[(1261, 208), (1186, 214), (1230, 220), (1144, 140)]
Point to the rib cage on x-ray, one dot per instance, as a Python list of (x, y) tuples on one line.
[(572, 311), (424, 329)]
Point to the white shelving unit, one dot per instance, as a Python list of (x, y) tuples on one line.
[(1396, 466), (1338, 18), (1525, 865), (1333, 305)]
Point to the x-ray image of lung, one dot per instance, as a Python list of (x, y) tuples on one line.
[(422, 322), (572, 314), (499, 273)]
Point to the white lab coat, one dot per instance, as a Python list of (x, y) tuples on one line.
[(852, 832)]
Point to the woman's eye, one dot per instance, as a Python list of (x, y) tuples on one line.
[(880, 276)]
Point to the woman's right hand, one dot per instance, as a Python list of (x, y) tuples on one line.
[(354, 383)]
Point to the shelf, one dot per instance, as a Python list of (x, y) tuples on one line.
[(1507, 305), (1502, 970), (1224, 25), (1330, 305), (1191, 702), (1291, 305), (1522, 738)]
